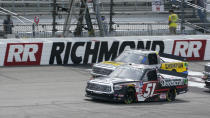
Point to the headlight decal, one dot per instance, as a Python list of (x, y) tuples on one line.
[(118, 87)]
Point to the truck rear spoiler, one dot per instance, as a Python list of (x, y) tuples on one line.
[(173, 73), (173, 56)]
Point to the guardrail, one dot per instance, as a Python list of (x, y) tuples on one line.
[(120, 29), (49, 51)]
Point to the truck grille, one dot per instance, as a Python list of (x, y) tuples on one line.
[(101, 71), (98, 87)]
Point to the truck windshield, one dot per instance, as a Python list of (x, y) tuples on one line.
[(130, 58), (127, 73)]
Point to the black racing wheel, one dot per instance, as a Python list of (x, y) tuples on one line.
[(129, 96), (171, 95)]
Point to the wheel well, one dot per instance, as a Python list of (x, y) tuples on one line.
[(174, 92), (174, 70), (173, 88), (133, 89)]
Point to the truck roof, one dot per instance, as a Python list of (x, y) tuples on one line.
[(171, 58), (138, 66), (171, 76), (140, 51)]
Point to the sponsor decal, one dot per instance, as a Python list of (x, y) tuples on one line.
[(121, 95), (113, 63), (192, 49), (23, 54), (163, 96), (140, 86), (170, 82), (65, 53), (173, 65)]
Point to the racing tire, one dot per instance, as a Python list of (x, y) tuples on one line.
[(174, 70), (171, 95), (129, 97)]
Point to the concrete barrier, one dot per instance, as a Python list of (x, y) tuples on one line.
[(15, 52)]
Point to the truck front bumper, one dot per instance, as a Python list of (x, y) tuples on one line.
[(104, 96)]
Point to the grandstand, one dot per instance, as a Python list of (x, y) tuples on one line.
[(135, 16), (46, 5)]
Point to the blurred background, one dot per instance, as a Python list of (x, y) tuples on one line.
[(83, 18)]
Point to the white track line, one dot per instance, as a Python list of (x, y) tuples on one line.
[(194, 73), (196, 84)]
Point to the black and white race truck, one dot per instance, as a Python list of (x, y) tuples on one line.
[(206, 76), (145, 57), (133, 83)]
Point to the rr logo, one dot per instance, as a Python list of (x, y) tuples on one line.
[(192, 49), (23, 54)]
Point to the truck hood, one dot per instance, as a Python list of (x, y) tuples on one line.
[(109, 64), (107, 80)]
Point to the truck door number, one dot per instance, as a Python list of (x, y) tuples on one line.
[(150, 87)]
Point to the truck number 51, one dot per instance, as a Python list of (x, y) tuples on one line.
[(150, 87)]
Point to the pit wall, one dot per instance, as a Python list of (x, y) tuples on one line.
[(18, 52)]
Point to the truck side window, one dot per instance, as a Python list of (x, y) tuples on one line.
[(152, 59), (145, 79), (152, 75)]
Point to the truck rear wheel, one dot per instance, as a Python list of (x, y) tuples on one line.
[(129, 96), (174, 70), (171, 95)]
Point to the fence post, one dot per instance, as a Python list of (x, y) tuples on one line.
[(13, 6), (54, 13), (111, 16), (38, 5), (98, 17), (33, 29), (149, 29), (182, 17)]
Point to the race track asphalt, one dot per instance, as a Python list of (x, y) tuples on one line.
[(59, 92)]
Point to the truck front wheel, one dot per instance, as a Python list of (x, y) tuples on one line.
[(171, 95), (129, 96)]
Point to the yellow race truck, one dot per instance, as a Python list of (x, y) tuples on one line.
[(152, 58)]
